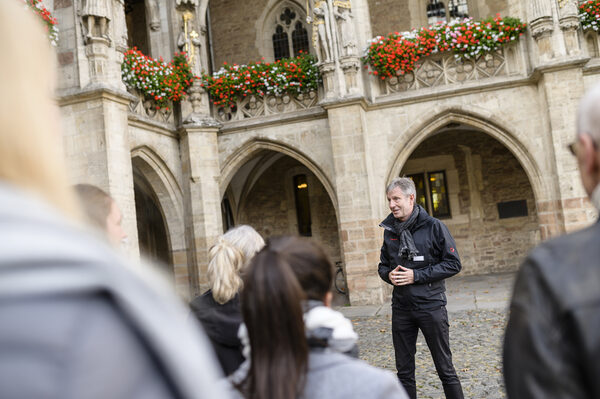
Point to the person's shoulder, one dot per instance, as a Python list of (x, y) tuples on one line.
[(335, 375), (567, 266)]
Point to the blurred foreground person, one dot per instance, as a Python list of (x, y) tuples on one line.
[(552, 341), (296, 341), (102, 212), (218, 309), (74, 323)]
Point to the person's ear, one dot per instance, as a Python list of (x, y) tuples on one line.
[(328, 299)]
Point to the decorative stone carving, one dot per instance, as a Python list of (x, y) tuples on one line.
[(192, 3), (569, 23), (119, 26), (146, 109), (323, 35), (343, 13), (255, 106), (188, 39), (153, 13), (97, 52), (96, 15), (445, 69), (328, 74), (542, 25), (351, 66)]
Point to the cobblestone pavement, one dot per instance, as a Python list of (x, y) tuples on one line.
[(475, 340)]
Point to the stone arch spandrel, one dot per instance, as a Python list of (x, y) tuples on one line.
[(487, 123), (251, 148), (167, 190)]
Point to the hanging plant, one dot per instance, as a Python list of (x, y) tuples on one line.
[(398, 53), (49, 21), (589, 15), (290, 75), (157, 80)]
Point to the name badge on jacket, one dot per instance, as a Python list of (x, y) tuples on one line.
[(419, 258)]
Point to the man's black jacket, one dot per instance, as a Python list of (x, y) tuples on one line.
[(552, 341), (437, 259)]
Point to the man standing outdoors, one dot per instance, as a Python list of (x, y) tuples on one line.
[(552, 341), (418, 253)]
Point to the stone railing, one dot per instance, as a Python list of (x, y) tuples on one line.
[(445, 69), (257, 106), (147, 109)]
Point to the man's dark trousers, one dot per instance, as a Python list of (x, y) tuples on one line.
[(433, 323)]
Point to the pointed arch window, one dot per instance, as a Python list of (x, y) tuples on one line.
[(290, 24), (281, 47), (300, 39)]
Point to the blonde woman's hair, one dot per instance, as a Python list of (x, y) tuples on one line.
[(228, 257), (30, 141)]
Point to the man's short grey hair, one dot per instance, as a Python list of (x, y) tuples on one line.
[(588, 116), (406, 185)]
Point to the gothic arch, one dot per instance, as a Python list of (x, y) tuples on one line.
[(488, 124), (266, 23), (167, 190), (251, 148)]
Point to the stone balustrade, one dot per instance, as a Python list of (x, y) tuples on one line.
[(257, 106), (146, 108), (445, 69)]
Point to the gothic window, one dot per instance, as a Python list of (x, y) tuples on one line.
[(446, 10), (300, 39), (289, 25), (281, 47), (432, 193)]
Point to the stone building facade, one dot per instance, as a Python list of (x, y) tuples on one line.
[(487, 137)]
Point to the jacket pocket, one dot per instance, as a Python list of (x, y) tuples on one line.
[(427, 290)]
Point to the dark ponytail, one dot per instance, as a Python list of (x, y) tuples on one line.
[(279, 278), (272, 310)]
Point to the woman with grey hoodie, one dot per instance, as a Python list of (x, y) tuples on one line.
[(295, 343)]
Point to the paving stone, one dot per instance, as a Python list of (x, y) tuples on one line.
[(476, 343)]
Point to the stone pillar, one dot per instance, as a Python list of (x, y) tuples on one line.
[(96, 136), (202, 200), (542, 25), (570, 209), (358, 222), (569, 24)]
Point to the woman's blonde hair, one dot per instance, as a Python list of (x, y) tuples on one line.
[(30, 141), (228, 257)]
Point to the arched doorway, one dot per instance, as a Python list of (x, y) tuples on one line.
[(278, 194), (152, 230), (480, 190)]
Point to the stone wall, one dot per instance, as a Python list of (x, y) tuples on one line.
[(485, 242), (270, 207), (390, 16), (234, 31)]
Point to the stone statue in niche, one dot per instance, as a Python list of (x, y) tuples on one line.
[(188, 39), (96, 15), (119, 25), (322, 32), (153, 15), (343, 15)]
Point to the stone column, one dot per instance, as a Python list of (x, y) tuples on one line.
[(569, 24), (96, 136), (541, 24), (569, 209), (94, 105), (202, 200), (358, 223)]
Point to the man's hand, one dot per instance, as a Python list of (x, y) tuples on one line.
[(401, 276)]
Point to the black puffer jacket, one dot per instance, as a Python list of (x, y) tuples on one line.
[(437, 259), (221, 323), (552, 341)]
